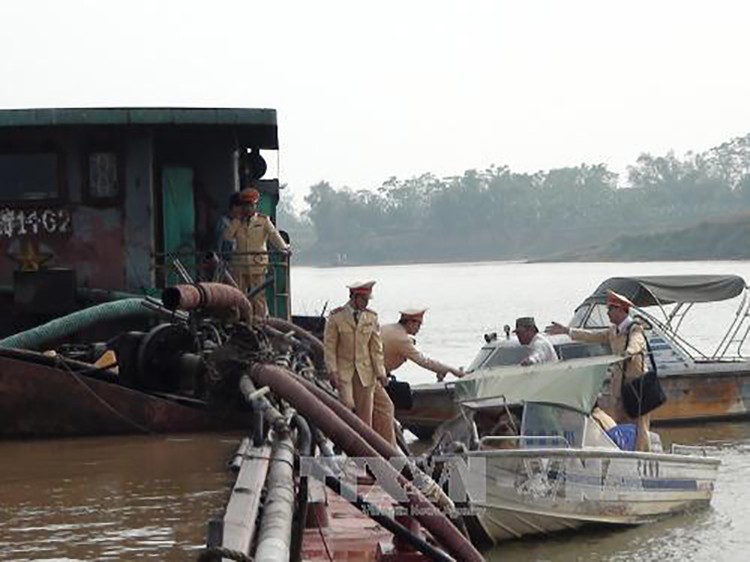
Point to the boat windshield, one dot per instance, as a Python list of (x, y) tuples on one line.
[(591, 317), (481, 357), (507, 355), (549, 425)]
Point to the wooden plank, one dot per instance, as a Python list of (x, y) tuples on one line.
[(242, 510)]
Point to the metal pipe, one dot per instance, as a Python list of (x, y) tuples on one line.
[(316, 346), (239, 456), (208, 295), (262, 287), (258, 402), (274, 538), (305, 448), (285, 384), (219, 264)]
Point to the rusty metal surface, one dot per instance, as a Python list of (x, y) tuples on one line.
[(91, 241), (704, 397), (209, 295), (38, 400)]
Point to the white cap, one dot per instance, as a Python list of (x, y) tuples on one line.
[(413, 313), (361, 287)]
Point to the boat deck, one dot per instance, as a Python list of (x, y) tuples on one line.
[(338, 531)]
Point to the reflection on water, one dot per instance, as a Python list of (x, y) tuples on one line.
[(116, 498)]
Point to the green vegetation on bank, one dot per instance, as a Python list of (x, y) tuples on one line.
[(582, 212), (718, 240)]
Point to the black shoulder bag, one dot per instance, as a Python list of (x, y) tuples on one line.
[(642, 394), (400, 393)]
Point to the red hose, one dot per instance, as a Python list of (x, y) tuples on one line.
[(208, 295), (285, 384)]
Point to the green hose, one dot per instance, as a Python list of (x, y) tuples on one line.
[(37, 338)]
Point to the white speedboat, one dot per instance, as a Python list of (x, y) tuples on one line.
[(558, 469), (700, 385)]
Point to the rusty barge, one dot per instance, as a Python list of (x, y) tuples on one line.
[(105, 207)]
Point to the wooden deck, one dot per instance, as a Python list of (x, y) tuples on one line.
[(338, 531)]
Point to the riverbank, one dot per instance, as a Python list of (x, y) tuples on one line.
[(723, 239), (715, 240)]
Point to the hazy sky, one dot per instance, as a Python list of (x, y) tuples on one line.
[(369, 90)]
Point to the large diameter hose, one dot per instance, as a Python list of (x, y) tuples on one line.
[(383, 447), (434, 492), (206, 295), (283, 383), (316, 346), (37, 338)]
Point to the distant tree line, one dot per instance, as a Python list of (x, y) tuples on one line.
[(501, 214)]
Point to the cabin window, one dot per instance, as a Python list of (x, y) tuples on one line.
[(103, 176), (29, 176)]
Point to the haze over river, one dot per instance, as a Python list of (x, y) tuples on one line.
[(150, 497)]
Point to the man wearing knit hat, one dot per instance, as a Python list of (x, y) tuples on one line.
[(250, 233), (354, 351), (626, 338)]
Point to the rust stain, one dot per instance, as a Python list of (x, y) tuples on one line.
[(95, 249)]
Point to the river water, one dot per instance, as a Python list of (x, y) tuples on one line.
[(150, 497)]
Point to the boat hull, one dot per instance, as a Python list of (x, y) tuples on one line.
[(515, 493), (38, 400), (691, 397)]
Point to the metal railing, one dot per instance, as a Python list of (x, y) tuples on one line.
[(179, 267), (542, 439)]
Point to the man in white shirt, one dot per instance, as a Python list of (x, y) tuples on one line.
[(541, 350)]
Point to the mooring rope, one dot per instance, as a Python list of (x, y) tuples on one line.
[(110, 407)]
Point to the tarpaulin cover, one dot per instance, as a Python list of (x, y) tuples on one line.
[(574, 384), (666, 289)]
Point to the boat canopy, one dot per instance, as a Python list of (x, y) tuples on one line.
[(667, 289), (573, 384)]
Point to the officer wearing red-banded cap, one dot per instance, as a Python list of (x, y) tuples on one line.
[(250, 233), (625, 337), (399, 345), (354, 350)]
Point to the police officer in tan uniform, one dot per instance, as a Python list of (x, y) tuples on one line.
[(399, 345), (250, 234), (354, 351), (624, 330)]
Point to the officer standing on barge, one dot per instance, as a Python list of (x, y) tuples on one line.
[(250, 233), (354, 351)]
